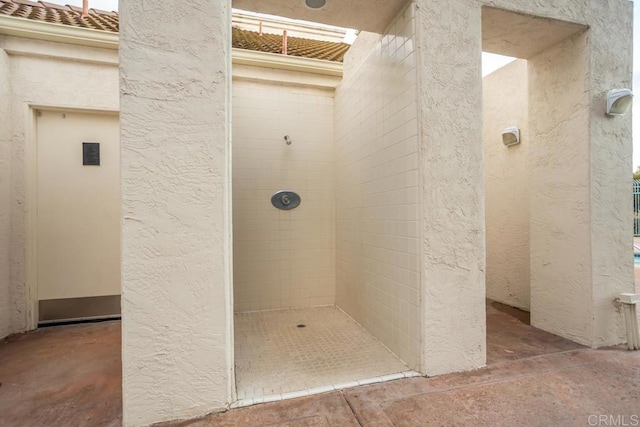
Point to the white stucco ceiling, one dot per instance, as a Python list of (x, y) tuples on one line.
[(522, 36), (367, 15)]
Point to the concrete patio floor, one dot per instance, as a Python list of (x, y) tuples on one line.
[(70, 376)]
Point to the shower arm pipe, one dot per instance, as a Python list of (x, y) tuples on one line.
[(284, 42)]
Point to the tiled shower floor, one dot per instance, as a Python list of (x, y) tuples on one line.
[(273, 356)]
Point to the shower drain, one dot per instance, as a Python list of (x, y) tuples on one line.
[(301, 325)]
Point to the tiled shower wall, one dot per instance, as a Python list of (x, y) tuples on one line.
[(377, 228), (282, 259)]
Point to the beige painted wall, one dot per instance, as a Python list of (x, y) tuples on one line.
[(581, 189), (42, 74), (452, 208), (611, 153), (506, 184), (575, 11), (561, 297), (5, 197), (377, 195), (78, 221), (283, 259), (451, 215), (36, 72), (452, 243), (176, 219)]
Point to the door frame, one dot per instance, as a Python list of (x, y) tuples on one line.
[(31, 197)]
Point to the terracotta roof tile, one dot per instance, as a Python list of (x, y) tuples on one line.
[(57, 14), (251, 40), (108, 21)]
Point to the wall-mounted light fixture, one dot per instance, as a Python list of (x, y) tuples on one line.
[(619, 102), (511, 136), (315, 4)]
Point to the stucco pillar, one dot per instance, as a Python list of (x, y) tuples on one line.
[(5, 192), (581, 204), (611, 62), (176, 301), (448, 42)]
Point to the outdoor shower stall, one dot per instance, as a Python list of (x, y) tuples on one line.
[(351, 246), (389, 167)]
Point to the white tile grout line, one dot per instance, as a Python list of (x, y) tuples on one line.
[(374, 337), (241, 403), (286, 309)]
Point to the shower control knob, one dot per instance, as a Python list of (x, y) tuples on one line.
[(285, 200)]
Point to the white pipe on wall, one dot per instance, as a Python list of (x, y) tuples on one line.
[(629, 303)]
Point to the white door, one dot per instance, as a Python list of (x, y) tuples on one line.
[(78, 215)]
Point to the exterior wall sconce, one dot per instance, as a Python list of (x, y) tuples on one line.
[(511, 136), (619, 102), (315, 4)]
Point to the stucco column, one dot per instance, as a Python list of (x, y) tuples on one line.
[(176, 301), (452, 202), (581, 204), (611, 162), (5, 199)]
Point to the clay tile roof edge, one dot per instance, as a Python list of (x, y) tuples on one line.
[(103, 21)]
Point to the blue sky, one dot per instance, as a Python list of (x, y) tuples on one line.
[(490, 62)]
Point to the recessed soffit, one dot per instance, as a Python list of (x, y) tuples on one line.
[(367, 15), (522, 36)]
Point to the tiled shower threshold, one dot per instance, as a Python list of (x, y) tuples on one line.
[(241, 403), (285, 354)]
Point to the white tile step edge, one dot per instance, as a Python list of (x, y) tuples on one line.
[(241, 403)]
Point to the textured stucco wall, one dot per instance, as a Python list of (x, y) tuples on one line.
[(283, 259), (575, 11), (452, 244), (561, 294), (5, 195), (610, 162), (452, 213), (581, 190), (377, 273), (88, 82), (506, 185), (175, 80), (522, 36), (176, 246)]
